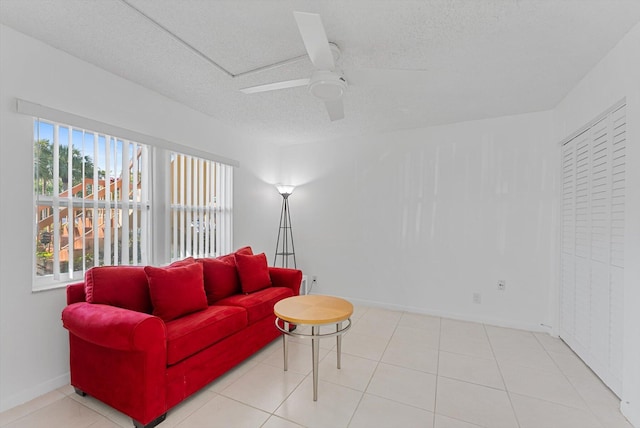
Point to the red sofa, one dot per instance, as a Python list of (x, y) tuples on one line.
[(142, 339)]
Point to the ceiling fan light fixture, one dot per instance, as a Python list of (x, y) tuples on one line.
[(327, 85)]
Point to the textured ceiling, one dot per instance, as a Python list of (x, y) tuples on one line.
[(483, 58)]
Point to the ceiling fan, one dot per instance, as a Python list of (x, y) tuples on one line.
[(328, 83)]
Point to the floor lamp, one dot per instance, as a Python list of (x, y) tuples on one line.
[(284, 247)]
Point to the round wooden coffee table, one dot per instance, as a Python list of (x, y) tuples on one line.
[(316, 311)]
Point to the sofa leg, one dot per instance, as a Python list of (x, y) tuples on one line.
[(80, 392), (151, 424)]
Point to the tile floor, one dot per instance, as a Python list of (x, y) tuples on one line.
[(398, 370)]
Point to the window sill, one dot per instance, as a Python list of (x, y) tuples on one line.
[(39, 287)]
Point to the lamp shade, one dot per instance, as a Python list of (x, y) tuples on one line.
[(285, 189)]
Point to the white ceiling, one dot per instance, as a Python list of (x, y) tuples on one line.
[(484, 58)]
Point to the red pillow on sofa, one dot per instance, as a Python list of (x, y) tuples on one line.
[(184, 262), (220, 278), (253, 272), (122, 286), (244, 250), (176, 291)]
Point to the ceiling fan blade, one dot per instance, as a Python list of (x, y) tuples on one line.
[(275, 86), (385, 77), (315, 40), (335, 109)]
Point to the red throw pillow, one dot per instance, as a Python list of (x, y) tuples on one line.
[(176, 291), (122, 286), (244, 250), (184, 262), (253, 272), (220, 278), (228, 258), (231, 257)]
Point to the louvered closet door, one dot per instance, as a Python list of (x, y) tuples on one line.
[(592, 244)]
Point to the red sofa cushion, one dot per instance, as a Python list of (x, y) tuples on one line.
[(176, 291), (221, 276), (220, 279), (259, 304), (122, 286), (228, 258), (244, 250), (184, 262), (231, 258), (192, 333), (253, 272)]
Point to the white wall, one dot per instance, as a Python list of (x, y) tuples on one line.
[(33, 344), (422, 219), (418, 220), (617, 76)]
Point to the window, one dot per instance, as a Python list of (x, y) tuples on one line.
[(91, 201), (201, 207), (93, 187)]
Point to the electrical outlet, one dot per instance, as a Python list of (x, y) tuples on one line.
[(502, 284), (314, 280), (477, 298)]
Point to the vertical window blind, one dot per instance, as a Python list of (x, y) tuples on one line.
[(91, 199), (592, 244), (201, 207)]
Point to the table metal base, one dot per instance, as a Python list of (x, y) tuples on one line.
[(315, 337)]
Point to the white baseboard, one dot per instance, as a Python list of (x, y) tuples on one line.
[(34, 392), (452, 315), (630, 412)]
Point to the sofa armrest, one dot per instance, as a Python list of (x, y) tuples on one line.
[(75, 293), (113, 327), (119, 357), (283, 277)]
